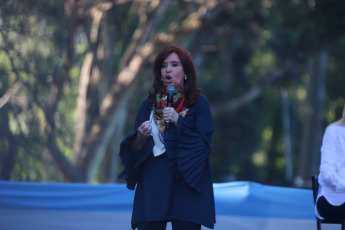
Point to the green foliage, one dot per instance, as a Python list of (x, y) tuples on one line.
[(30, 53)]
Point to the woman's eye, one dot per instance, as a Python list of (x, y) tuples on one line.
[(174, 64), (164, 66)]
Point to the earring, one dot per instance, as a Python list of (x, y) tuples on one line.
[(161, 79), (185, 77)]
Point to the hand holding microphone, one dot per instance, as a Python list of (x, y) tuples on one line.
[(170, 95)]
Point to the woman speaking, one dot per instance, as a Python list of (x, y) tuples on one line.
[(165, 158)]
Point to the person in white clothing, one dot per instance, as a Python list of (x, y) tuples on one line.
[(330, 202)]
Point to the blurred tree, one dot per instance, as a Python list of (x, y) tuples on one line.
[(74, 72)]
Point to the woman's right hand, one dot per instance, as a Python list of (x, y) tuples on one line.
[(145, 129)]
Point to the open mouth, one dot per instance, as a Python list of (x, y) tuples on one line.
[(168, 79)]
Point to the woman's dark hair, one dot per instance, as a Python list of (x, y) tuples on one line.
[(190, 89)]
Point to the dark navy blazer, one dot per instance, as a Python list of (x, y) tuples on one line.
[(178, 183)]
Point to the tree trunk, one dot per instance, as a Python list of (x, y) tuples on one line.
[(287, 136), (10, 152), (70, 173), (86, 98)]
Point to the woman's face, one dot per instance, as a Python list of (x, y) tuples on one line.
[(172, 71)]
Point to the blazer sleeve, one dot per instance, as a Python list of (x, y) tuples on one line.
[(189, 143), (132, 162), (329, 159)]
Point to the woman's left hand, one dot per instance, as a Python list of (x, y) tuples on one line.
[(169, 114)]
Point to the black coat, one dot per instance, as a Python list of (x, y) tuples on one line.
[(178, 183)]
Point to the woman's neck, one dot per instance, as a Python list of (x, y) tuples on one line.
[(341, 122)]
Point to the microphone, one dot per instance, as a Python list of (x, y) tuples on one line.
[(170, 95)]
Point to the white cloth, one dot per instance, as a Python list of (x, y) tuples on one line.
[(159, 147), (332, 167)]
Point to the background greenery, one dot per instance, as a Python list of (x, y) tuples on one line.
[(73, 73)]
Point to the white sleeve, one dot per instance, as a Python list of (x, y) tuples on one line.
[(329, 167)]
